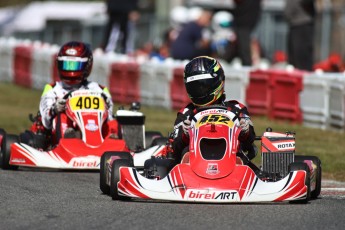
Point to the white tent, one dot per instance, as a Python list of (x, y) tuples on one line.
[(33, 16)]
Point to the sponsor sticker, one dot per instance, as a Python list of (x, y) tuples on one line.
[(212, 169), (71, 51), (18, 160), (91, 125), (285, 145), (85, 162), (205, 195)]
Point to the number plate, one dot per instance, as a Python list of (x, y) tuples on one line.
[(86, 103), (217, 119)]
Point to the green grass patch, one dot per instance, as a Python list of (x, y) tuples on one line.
[(16, 103)]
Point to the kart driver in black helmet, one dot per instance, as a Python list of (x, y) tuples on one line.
[(204, 81)]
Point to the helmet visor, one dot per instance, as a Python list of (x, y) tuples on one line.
[(72, 63), (202, 88)]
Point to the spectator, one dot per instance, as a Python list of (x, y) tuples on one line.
[(122, 15), (300, 16), (193, 40), (333, 63), (246, 16), (178, 18), (279, 60), (223, 36)]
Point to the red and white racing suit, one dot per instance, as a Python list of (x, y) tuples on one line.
[(57, 90)]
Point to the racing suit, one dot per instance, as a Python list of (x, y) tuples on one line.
[(180, 144), (57, 90)]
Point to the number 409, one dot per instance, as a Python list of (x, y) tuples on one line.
[(88, 103)]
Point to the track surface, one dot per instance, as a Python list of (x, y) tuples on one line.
[(36, 199)]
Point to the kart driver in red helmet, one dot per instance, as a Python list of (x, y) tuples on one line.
[(204, 81), (74, 64)]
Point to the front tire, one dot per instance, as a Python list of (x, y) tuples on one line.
[(316, 192), (115, 178), (104, 169), (296, 166), (7, 141)]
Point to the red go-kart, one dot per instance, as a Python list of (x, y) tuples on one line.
[(94, 135), (216, 170)]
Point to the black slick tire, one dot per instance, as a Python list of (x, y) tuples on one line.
[(104, 168), (7, 141), (115, 178)]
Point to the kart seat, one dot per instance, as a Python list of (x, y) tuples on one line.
[(185, 158), (239, 161)]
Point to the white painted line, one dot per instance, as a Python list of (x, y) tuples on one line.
[(333, 182), (333, 189)]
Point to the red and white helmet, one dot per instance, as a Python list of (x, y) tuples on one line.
[(74, 62)]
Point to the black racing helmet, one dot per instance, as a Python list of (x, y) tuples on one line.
[(204, 80)]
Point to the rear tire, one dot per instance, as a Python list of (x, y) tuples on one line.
[(115, 178), (104, 170), (159, 141), (7, 141), (316, 192), (296, 166), (150, 136)]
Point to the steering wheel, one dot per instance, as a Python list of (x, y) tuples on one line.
[(67, 95)]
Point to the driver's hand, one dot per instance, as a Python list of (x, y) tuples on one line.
[(186, 126), (60, 105), (244, 124)]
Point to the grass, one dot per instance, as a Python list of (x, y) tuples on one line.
[(16, 103)]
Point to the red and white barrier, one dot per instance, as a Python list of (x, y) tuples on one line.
[(313, 99), (236, 82), (285, 98), (43, 63), (6, 55)]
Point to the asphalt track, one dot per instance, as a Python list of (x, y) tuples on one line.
[(36, 199)]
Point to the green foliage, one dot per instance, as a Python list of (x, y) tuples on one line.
[(17, 102)]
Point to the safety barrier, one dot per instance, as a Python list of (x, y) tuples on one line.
[(178, 94), (156, 82), (259, 92), (124, 82), (275, 93), (337, 103), (236, 82), (43, 62), (101, 69), (317, 100), (285, 98), (22, 64), (147, 86), (6, 55)]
